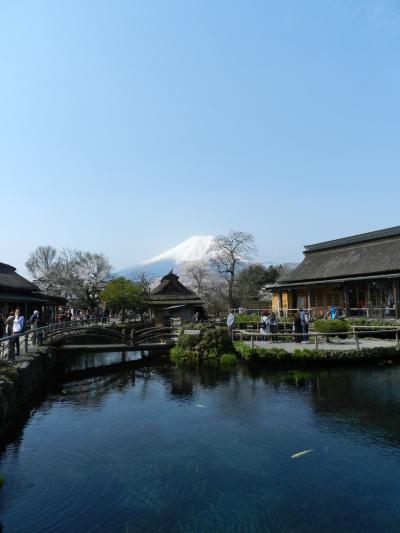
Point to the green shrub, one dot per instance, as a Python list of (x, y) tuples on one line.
[(227, 359), (177, 353), (211, 342), (331, 326)]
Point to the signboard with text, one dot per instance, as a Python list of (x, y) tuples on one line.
[(191, 331)]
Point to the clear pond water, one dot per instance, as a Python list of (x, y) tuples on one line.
[(160, 448)]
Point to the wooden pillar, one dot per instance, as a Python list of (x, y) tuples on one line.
[(280, 304), (346, 300), (396, 298), (308, 299)]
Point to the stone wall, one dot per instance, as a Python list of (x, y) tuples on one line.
[(20, 379)]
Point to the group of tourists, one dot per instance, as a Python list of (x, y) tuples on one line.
[(14, 324), (300, 326), (269, 327)]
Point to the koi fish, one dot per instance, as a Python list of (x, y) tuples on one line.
[(200, 405), (300, 454)]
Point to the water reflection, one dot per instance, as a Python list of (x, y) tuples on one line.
[(173, 448)]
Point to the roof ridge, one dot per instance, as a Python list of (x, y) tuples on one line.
[(354, 239)]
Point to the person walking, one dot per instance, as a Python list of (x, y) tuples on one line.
[(18, 328)]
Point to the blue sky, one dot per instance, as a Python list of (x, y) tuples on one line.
[(126, 127)]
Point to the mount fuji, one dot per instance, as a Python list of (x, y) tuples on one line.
[(193, 249)]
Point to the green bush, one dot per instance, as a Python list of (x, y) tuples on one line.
[(375, 322), (331, 326), (228, 359), (177, 353), (211, 342)]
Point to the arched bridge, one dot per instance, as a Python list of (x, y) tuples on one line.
[(85, 335)]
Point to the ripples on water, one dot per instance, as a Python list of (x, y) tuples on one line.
[(164, 448)]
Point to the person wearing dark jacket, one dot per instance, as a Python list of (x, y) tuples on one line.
[(2, 326), (297, 329)]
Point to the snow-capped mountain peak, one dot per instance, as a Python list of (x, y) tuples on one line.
[(193, 249)]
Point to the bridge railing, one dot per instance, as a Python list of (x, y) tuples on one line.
[(22, 343)]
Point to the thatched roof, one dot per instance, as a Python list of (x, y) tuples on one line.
[(369, 254), (10, 280), (171, 290)]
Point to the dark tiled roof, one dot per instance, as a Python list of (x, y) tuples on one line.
[(355, 239), (10, 280), (360, 258)]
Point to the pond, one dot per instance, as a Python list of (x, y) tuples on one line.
[(160, 448)]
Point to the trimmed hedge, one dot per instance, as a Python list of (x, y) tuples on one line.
[(331, 326), (280, 355)]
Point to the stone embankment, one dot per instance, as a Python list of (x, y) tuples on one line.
[(20, 379)]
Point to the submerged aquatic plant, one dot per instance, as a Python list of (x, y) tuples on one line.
[(227, 359)]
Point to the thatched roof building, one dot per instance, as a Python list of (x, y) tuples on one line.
[(16, 291), (171, 299), (359, 274)]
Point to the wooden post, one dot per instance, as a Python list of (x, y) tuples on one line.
[(316, 341), (26, 342), (11, 350), (396, 299), (397, 338), (252, 341), (357, 341)]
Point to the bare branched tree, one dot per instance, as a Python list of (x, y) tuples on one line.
[(228, 253), (41, 262), (196, 275), (144, 280), (76, 275)]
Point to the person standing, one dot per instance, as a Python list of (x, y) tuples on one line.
[(304, 324), (230, 322), (265, 326), (2, 326), (273, 326), (9, 324), (34, 322), (18, 328), (297, 329)]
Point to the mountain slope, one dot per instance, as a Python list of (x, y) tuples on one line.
[(192, 249)]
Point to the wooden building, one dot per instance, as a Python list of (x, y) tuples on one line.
[(359, 275), (171, 299), (18, 292)]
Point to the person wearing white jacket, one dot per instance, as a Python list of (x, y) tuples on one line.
[(18, 327)]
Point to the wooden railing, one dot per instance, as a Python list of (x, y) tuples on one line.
[(353, 335)]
